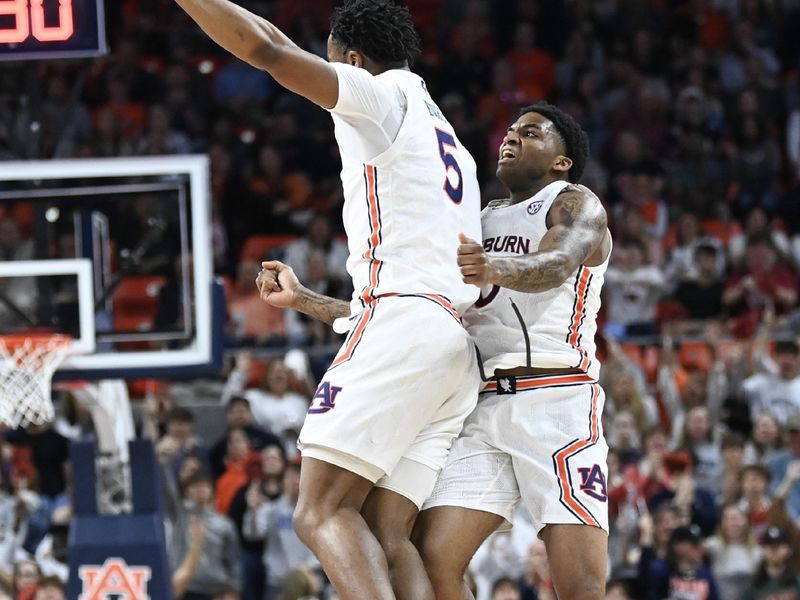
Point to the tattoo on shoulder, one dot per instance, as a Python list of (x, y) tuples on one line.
[(577, 204), (498, 203)]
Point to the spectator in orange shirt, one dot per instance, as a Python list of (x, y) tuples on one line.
[(240, 454)]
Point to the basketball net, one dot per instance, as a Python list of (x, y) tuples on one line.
[(27, 364)]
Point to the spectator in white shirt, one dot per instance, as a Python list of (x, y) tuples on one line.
[(274, 405), (634, 289), (778, 393)]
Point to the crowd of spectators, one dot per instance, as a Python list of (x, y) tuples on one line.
[(693, 112)]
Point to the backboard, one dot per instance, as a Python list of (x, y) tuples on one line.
[(116, 253)]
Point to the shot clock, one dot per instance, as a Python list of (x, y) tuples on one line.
[(45, 29)]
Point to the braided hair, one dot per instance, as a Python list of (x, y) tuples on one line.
[(381, 29)]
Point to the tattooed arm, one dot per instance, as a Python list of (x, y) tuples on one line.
[(577, 229), (279, 286)]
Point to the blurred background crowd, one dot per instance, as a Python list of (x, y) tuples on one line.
[(693, 112)]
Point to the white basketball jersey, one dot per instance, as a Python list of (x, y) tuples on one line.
[(403, 210), (552, 329)]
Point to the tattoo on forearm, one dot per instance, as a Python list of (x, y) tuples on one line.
[(579, 228), (321, 307), (537, 272)]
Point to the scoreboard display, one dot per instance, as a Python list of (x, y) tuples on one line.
[(45, 29)]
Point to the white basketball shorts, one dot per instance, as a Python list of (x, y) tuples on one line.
[(396, 395), (538, 439)]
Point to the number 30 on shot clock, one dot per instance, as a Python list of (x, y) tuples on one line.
[(46, 29)]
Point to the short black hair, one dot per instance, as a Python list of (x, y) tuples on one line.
[(238, 400), (180, 414), (575, 139), (705, 247), (760, 470), (732, 439), (201, 476), (381, 29), (787, 347)]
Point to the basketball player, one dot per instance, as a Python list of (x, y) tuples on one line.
[(535, 434), (395, 397)]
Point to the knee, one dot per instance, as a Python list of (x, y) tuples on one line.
[(392, 534), (306, 520), (440, 562)]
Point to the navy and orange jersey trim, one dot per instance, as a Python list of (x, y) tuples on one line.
[(442, 301), (375, 234), (354, 337), (532, 382), (357, 332), (574, 336), (561, 458)]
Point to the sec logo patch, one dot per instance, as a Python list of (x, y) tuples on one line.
[(534, 207)]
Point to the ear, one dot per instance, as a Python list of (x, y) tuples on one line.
[(562, 164), (355, 58)]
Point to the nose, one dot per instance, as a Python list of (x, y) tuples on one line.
[(510, 138)]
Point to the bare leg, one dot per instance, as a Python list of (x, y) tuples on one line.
[(447, 538), (578, 555), (327, 520), (391, 518)]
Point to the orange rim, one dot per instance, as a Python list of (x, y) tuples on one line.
[(53, 340)]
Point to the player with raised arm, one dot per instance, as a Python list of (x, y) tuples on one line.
[(536, 433), (396, 395)]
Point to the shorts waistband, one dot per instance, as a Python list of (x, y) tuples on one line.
[(442, 301), (513, 384), (345, 324)]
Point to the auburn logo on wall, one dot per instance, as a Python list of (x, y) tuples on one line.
[(114, 579)]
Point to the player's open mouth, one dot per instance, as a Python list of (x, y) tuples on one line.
[(506, 156)]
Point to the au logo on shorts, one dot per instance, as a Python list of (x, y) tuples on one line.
[(534, 207), (324, 398), (114, 579), (593, 482)]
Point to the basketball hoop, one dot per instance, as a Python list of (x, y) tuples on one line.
[(27, 364)]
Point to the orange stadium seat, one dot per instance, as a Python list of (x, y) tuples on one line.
[(720, 229), (695, 355), (136, 302), (257, 247), (634, 353), (257, 373)]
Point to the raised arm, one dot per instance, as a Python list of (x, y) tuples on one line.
[(279, 286), (259, 43), (578, 228)]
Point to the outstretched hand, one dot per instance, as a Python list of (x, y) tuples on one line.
[(277, 284), (473, 262)]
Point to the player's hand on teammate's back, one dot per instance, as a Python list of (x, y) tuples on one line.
[(277, 284), (473, 262)]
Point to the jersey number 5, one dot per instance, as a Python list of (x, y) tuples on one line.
[(455, 193)]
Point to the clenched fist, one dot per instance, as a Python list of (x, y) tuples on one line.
[(277, 284), (475, 264)]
